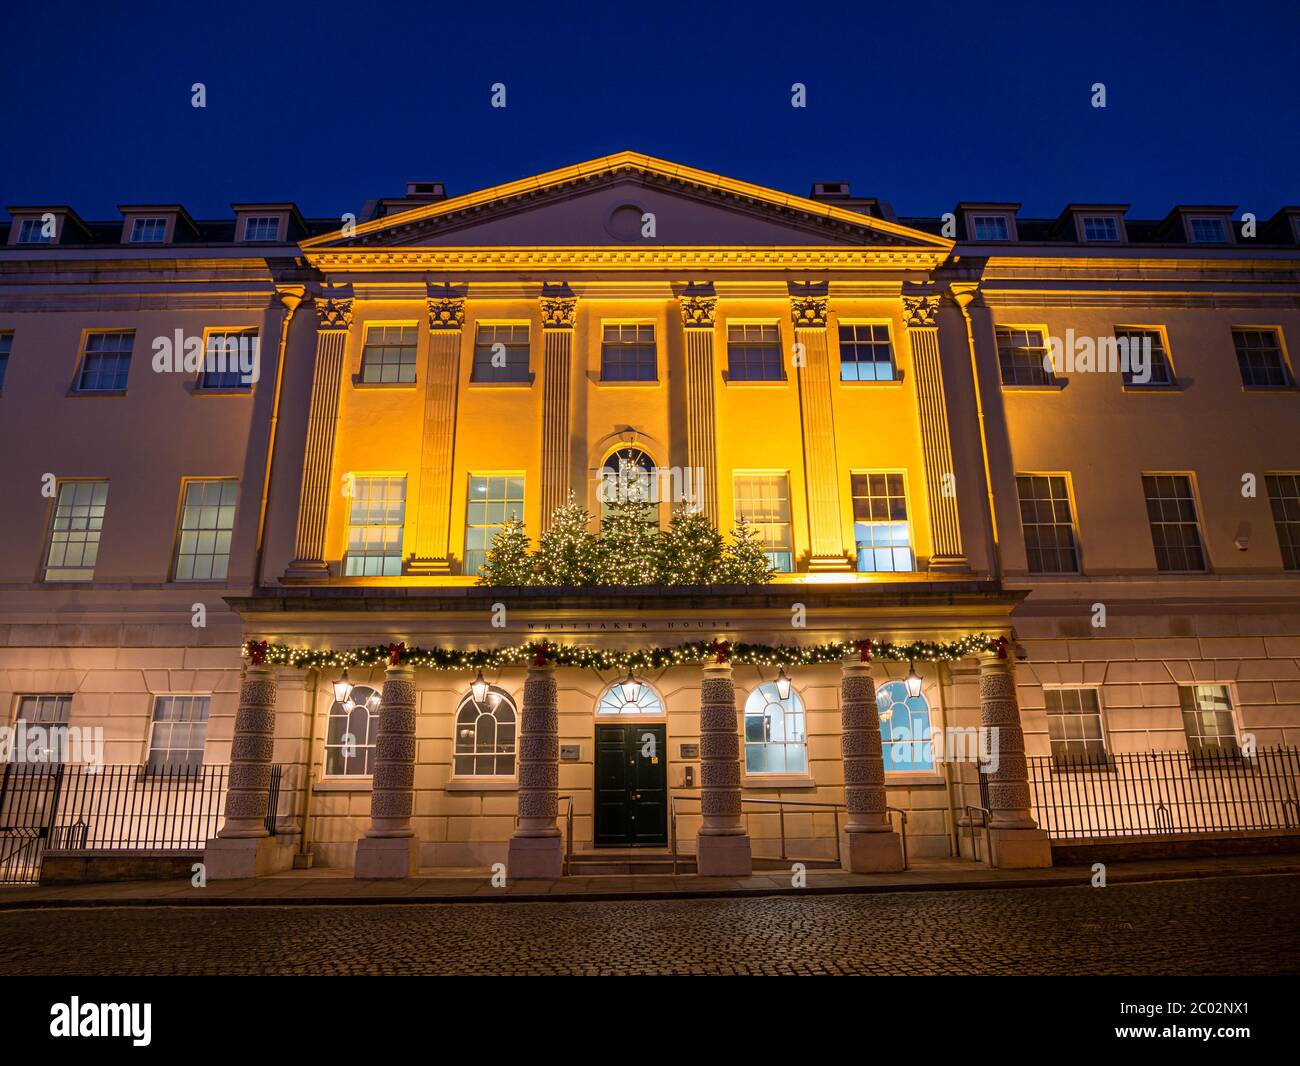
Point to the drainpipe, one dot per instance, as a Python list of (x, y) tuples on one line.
[(955, 842), (290, 296), (964, 295), (303, 860)]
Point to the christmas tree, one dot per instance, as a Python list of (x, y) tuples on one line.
[(568, 553), (629, 539), (507, 561), (744, 560), (690, 550)]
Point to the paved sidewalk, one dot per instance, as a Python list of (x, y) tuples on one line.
[(474, 886)]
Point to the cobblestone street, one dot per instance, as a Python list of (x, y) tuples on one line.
[(1229, 925)]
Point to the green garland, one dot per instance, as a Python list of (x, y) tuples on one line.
[(575, 655)]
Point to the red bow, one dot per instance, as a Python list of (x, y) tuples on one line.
[(721, 650), (863, 648), (541, 653), (257, 651), (999, 645), (395, 653)]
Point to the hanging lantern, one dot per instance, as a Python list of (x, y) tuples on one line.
[(373, 701), (913, 680), (783, 684), (479, 688), (631, 688), (343, 688)]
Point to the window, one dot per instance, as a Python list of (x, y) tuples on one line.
[(1074, 726), (1023, 357), (1208, 231), (991, 227), (627, 353), (1175, 533), (376, 519), (74, 537), (1100, 228), (180, 727), (33, 231), (865, 353), (230, 360), (105, 362), (6, 346), (350, 735), (905, 738), (1284, 497), (46, 719), (1145, 349), (880, 527), (1047, 523), (754, 353), (207, 525), (148, 230), (1259, 357), (493, 500), (614, 700), (485, 735), (763, 500), (500, 354), (775, 742), (262, 228), (1207, 719), (389, 355)]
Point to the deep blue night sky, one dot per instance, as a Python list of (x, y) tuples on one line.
[(922, 106)]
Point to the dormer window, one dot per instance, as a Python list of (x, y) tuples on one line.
[(148, 231), (990, 228), (1207, 230), (36, 230), (262, 228), (1099, 228)]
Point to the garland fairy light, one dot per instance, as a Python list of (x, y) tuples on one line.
[(695, 652)]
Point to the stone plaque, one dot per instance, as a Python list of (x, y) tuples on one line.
[(570, 752), (690, 751)]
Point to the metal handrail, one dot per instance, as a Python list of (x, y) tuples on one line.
[(984, 824), (902, 829)]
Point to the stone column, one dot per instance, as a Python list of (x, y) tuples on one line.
[(242, 847), (536, 849), (441, 381), (558, 315), (936, 443), (390, 848), (821, 472), (1016, 840), (722, 846), (869, 843), (308, 563), (701, 432)]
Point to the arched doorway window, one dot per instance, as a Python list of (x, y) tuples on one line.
[(614, 700), (775, 739), (629, 474), (904, 730), (350, 735), (485, 735)]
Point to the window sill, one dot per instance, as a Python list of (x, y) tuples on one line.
[(503, 384), (194, 390), (774, 781), (1269, 388), (889, 383), (1056, 386), (407, 386), (96, 392), (760, 383), (481, 784), (343, 784), (642, 384)]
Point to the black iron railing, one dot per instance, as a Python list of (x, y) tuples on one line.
[(1166, 792)]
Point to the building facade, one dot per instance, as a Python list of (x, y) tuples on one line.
[(1080, 434)]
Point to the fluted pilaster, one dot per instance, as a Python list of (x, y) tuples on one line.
[(558, 314), (701, 431), (441, 381)]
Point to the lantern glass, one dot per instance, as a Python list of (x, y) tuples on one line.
[(479, 688), (343, 687), (783, 684), (913, 681), (631, 688)]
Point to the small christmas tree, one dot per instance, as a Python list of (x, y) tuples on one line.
[(568, 553), (507, 561), (690, 550), (745, 560), (629, 540)]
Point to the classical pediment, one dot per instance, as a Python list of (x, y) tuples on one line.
[(628, 201)]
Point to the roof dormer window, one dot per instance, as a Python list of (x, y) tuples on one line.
[(1207, 230), (148, 231), (1099, 227), (37, 230), (990, 228), (262, 228)]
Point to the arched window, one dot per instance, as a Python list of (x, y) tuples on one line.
[(614, 701), (628, 474), (485, 735), (904, 729), (350, 736), (775, 740)]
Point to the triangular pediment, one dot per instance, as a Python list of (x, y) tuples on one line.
[(628, 200)]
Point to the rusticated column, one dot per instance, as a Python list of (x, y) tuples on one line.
[(390, 848), (1016, 839), (243, 847), (722, 846), (821, 473), (441, 380), (701, 432), (869, 843), (536, 849), (936, 442), (335, 314), (558, 315)]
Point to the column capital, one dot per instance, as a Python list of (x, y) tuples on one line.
[(559, 312), (446, 310), (334, 309), (698, 311), (919, 311), (808, 312)]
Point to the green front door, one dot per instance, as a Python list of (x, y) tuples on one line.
[(631, 786)]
